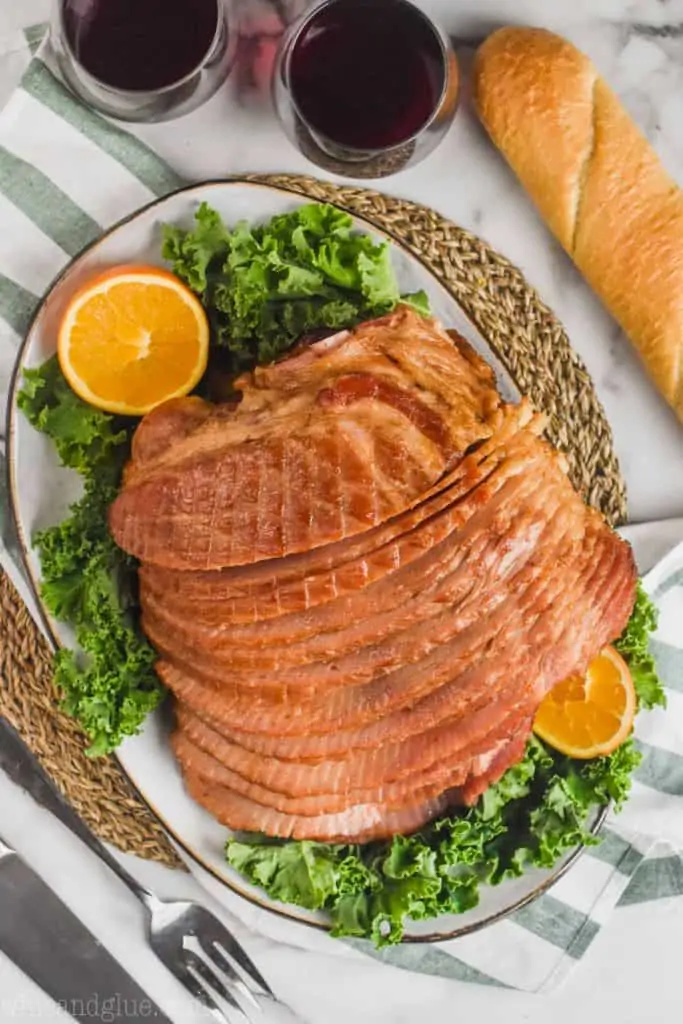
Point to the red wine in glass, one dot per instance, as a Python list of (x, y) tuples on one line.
[(360, 79), (365, 75), (140, 44), (170, 54)]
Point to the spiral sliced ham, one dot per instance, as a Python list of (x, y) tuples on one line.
[(355, 427), (361, 581)]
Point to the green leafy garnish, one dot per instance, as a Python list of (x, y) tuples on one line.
[(87, 581), (264, 287), (87, 440), (633, 646), (540, 809)]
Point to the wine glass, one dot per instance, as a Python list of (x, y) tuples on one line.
[(365, 88), (143, 60)]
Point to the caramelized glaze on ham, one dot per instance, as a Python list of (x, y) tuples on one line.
[(361, 581), (322, 446)]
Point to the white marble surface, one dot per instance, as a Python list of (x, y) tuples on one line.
[(632, 974)]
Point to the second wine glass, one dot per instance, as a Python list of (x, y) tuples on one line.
[(365, 88)]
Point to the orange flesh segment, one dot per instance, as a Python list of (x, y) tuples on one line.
[(591, 715), (133, 339)]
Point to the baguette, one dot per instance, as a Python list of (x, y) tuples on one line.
[(596, 181)]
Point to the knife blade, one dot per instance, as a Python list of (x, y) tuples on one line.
[(45, 939), (41, 935)]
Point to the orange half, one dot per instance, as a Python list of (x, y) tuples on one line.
[(591, 715), (132, 338)]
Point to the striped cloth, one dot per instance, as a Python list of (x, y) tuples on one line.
[(65, 174)]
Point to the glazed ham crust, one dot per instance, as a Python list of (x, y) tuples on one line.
[(361, 581), (322, 446)]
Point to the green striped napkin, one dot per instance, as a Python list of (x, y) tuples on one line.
[(65, 174)]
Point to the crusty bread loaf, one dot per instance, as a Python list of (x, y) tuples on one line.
[(597, 182)]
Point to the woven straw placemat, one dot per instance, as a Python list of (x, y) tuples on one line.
[(528, 340)]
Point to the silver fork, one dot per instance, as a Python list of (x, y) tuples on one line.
[(200, 951), (190, 941)]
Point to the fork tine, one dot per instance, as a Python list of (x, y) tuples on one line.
[(218, 957), (195, 963), (196, 989), (228, 946)]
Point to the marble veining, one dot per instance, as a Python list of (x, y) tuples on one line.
[(657, 31)]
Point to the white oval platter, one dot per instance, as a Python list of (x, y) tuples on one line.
[(41, 491)]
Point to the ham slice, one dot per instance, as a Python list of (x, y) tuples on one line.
[(361, 581), (375, 618), (371, 775), (358, 824), (413, 585), (452, 721), (392, 709), (322, 446), (273, 588)]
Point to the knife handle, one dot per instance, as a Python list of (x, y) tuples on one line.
[(22, 767)]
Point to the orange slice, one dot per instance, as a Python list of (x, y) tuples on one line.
[(132, 338), (589, 716)]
